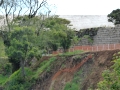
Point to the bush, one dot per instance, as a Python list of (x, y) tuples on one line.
[(71, 86), (16, 82), (7, 68)]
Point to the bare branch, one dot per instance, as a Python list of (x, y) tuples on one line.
[(1, 2)]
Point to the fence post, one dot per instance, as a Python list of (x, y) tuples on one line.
[(103, 47), (114, 46), (97, 47)]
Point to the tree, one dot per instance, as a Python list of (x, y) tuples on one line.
[(59, 33), (1, 2), (21, 47), (114, 16), (62, 34), (16, 8), (66, 38)]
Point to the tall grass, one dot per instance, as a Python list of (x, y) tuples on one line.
[(44, 66), (3, 78)]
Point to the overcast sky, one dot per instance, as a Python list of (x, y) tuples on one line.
[(84, 7)]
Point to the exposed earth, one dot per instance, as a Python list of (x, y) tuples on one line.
[(83, 70)]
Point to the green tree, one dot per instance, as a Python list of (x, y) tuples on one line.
[(56, 34), (62, 34), (55, 22), (21, 47), (66, 38), (114, 16)]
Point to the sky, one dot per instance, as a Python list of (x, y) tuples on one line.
[(84, 7)]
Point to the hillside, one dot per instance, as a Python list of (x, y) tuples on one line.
[(68, 73), (71, 71)]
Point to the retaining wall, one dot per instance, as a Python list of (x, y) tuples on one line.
[(107, 35), (99, 47)]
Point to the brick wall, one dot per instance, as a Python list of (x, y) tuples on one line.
[(99, 47)]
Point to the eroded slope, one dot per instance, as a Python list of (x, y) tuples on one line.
[(61, 75)]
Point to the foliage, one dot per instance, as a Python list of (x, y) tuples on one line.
[(57, 35), (111, 78), (72, 53), (16, 82), (7, 69), (71, 86), (5, 66), (66, 39), (89, 38), (114, 16), (75, 83), (2, 48), (3, 78), (21, 47), (48, 40), (90, 32), (43, 66), (54, 21), (75, 40)]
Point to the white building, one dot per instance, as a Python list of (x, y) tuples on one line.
[(88, 21)]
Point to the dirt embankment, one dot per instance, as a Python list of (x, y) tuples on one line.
[(63, 70)]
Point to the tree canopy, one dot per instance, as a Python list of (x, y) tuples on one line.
[(114, 16), (21, 46)]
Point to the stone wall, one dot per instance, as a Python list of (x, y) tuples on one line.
[(107, 35)]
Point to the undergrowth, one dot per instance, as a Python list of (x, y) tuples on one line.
[(72, 53), (17, 82), (43, 66), (75, 83), (2, 48), (3, 78)]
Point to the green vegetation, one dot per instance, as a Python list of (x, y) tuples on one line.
[(17, 82), (3, 79), (87, 33), (88, 38), (44, 66), (26, 40), (75, 83), (26, 37), (111, 77), (71, 86), (2, 48), (114, 16), (72, 53)]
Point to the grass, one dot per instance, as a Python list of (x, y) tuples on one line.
[(17, 82), (72, 53), (2, 48), (75, 83), (3, 78), (44, 66)]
